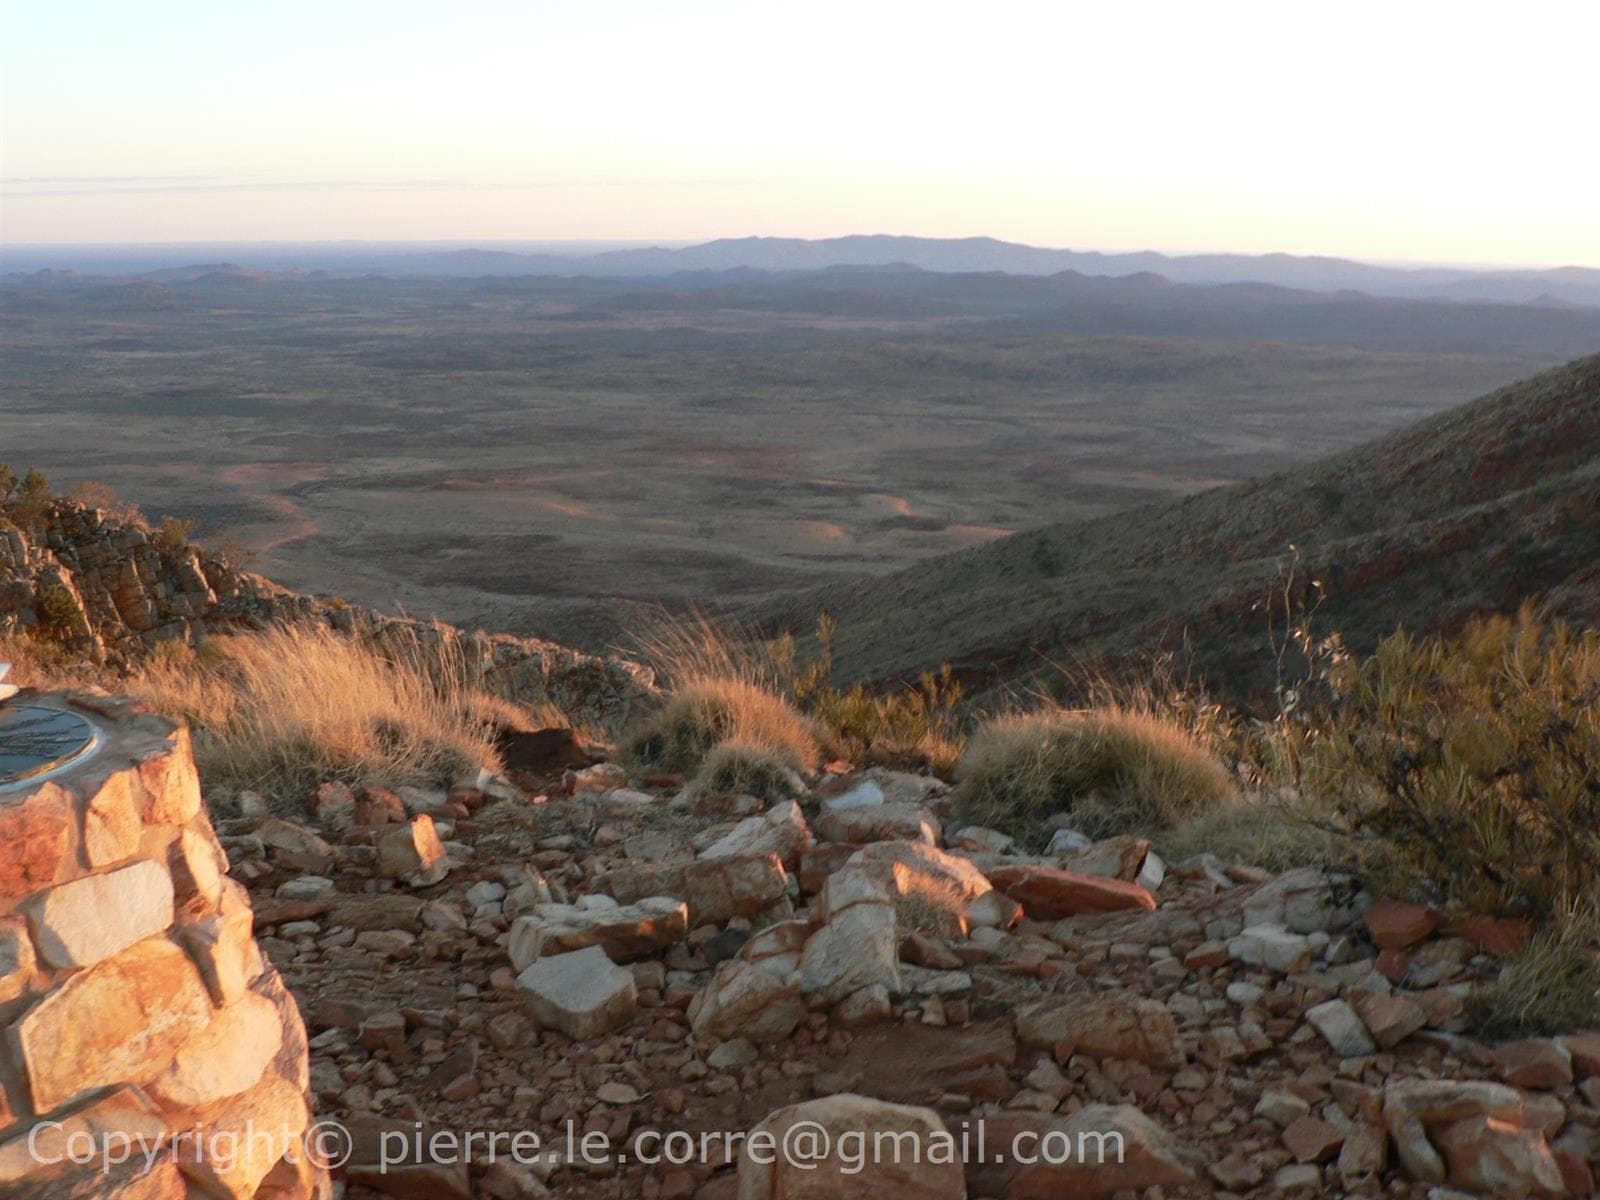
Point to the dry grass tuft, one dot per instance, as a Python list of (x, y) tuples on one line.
[(706, 712), (281, 710), (1272, 834), (741, 768), (1552, 987), (1111, 770)]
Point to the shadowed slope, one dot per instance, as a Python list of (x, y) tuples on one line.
[(1469, 511)]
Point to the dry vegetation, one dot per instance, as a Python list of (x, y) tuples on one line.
[(281, 710), (1106, 770)]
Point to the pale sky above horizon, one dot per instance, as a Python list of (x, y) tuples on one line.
[(1422, 131)]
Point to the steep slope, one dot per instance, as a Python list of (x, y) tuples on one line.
[(1470, 511)]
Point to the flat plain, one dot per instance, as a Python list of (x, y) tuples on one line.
[(545, 455)]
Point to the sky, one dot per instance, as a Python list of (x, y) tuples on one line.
[(1406, 131)]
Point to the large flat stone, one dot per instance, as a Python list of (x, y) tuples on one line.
[(623, 931), (1113, 1148), (120, 1021), (858, 948), (225, 1057), (79, 923), (747, 1000), (1048, 893), (265, 1123), (582, 994), (1106, 1026)]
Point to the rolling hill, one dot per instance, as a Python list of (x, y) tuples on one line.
[(1470, 511), (1318, 273)]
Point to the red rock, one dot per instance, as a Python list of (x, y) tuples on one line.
[(1395, 924), (1585, 1051), (1312, 1140), (34, 838), (1574, 1167), (1207, 954), (333, 804), (1392, 964), (1534, 1063), (925, 951), (1498, 1158), (1049, 893), (1390, 1019), (1503, 937), (379, 806)]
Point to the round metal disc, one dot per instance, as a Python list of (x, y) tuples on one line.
[(35, 740)]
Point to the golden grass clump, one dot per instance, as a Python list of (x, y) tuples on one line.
[(1110, 770), (1552, 987), (704, 713), (1273, 834), (281, 710), (744, 769)]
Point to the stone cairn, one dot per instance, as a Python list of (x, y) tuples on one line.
[(141, 1021)]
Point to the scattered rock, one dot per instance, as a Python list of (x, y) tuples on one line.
[(1048, 893), (1128, 1027), (1338, 1023), (582, 993), (840, 1125), (623, 931), (412, 853)]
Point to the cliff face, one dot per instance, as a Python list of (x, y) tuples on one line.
[(108, 591)]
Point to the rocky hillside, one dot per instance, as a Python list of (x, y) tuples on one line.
[(110, 591), (1468, 512), (605, 955)]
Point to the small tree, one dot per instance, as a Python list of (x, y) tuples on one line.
[(172, 536)]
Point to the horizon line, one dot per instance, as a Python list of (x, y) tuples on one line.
[(687, 243)]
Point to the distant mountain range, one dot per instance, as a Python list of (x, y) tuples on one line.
[(1554, 286), (886, 297), (1471, 511)]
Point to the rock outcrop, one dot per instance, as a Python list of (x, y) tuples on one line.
[(112, 591)]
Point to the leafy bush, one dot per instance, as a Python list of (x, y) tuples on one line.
[(1110, 770), (739, 768), (704, 713), (281, 710), (1552, 987), (1476, 760)]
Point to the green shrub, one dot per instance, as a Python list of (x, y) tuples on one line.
[(1476, 759), (24, 500), (909, 726), (737, 768), (59, 613), (704, 713), (1552, 987), (1110, 770)]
